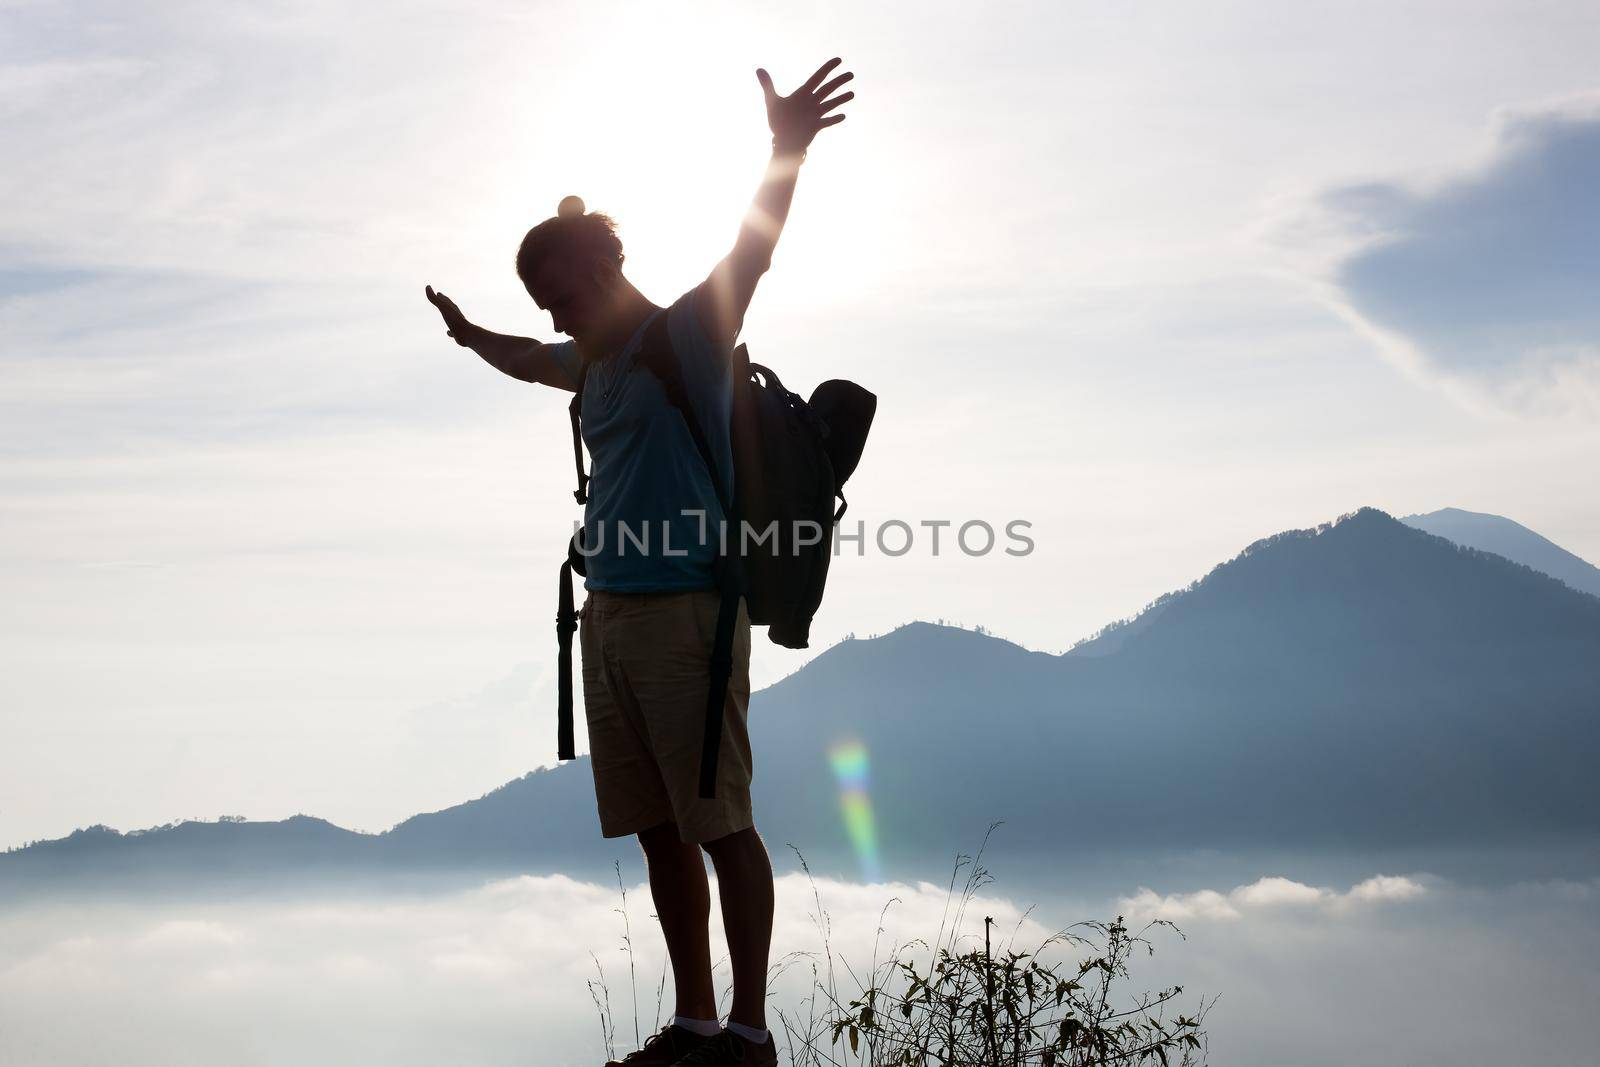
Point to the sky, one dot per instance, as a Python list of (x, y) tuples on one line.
[(1157, 280)]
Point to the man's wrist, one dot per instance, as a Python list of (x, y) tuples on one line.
[(796, 153)]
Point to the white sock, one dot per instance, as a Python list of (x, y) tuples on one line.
[(749, 1033), (703, 1027)]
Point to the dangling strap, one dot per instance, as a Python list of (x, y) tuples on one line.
[(566, 625), (566, 613), (717, 691)]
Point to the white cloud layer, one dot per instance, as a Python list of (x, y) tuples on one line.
[(1268, 893), (468, 978), (492, 975)]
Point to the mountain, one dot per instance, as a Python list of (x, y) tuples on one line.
[(1363, 684), (1359, 683), (1494, 533)]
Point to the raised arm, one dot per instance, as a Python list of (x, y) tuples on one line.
[(795, 120), (521, 357)]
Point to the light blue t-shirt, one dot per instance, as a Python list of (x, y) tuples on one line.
[(646, 472)]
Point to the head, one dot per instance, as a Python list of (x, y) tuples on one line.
[(572, 267)]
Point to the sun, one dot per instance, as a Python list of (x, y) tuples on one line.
[(663, 127), (657, 128)]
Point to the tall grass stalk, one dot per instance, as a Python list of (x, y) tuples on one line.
[(948, 1004)]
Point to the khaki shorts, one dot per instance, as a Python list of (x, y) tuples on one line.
[(646, 666)]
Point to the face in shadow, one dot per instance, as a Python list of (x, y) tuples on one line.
[(579, 295)]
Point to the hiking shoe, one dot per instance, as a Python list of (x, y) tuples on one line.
[(664, 1048), (728, 1047)]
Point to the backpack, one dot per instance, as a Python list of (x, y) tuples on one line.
[(791, 458)]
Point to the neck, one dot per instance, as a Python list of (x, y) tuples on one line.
[(629, 309)]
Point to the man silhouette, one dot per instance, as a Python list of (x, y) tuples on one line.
[(649, 618)]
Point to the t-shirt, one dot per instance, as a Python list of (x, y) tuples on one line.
[(646, 472)]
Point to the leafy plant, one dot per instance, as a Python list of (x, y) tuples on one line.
[(947, 1003)]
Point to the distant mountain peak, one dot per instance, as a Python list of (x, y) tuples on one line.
[(1365, 571), (1453, 513), (919, 630), (918, 645), (1504, 537), (1361, 519), (1115, 636)]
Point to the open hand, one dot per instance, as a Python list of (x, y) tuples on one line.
[(455, 323), (796, 118)]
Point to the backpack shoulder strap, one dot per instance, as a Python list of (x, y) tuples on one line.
[(658, 356), (574, 414)]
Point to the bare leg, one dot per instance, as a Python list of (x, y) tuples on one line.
[(682, 897), (744, 881)]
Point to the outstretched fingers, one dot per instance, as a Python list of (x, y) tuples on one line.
[(822, 72), (796, 118), (822, 93), (442, 302), (453, 319)]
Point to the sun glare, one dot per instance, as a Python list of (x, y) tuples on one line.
[(677, 162), (672, 151)]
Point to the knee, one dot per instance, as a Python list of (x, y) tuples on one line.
[(739, 844), (662, 843)]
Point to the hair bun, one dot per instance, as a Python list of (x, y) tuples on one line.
[(571, 207)]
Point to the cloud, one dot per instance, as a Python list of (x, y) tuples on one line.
[(1265, 895), (1271, 892), (466, 977), (184, 934), (1484, 278), (482, 976), (1386, 887)]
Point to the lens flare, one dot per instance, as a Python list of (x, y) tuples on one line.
[(850, 766)]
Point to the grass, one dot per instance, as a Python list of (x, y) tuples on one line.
[(1070, 1001)]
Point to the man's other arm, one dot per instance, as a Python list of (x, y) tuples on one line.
[(725, 295), (795, 120), (522, 358)]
